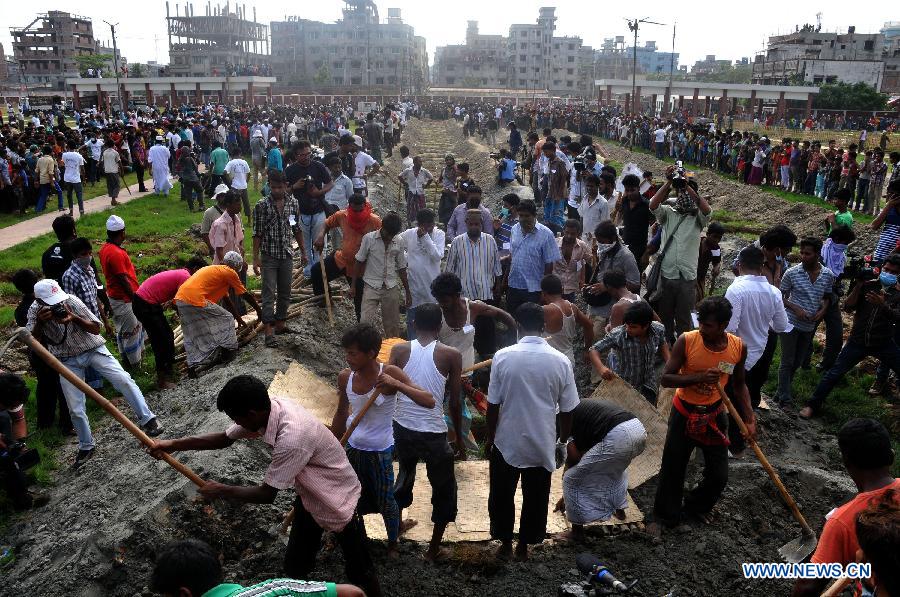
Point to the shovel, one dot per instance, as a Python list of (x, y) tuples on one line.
[(800, 548)]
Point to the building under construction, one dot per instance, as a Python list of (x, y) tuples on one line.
[(220, 42), (46, 49)]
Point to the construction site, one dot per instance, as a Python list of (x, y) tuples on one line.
[(106, 522)]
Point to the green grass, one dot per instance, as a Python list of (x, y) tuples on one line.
[(733, 223), (8, 219)]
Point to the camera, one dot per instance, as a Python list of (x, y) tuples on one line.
[(59, 310), (580, 162), (24, 457), (495, 155), (860, 268), (679, 177)]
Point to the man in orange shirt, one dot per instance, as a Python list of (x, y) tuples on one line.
[(867, 454), (700, 363), (355, 222)]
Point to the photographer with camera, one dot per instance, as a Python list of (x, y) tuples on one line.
[(15, 458), (876, 307), (506, 167)]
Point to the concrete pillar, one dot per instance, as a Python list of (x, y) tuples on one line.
[(76, 99), (244, 96), (250, 93), (198, 95), (654, 99), (759, 109), (779, 114), (809, 102), (637, 100), (148, 93), (609, 95), (173, 96), (667, 101), (708, 106), (221, 95), (269, 94), (734, 104), (628, 103), (599, 98), (752, 102), (695, 102), (680, 102), (723, 103)]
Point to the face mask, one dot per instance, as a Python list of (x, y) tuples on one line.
[(504, 212), (82, 262), (603, 247), (779, 258), (888, 280)]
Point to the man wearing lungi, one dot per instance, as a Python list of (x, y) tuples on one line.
[(158, 156), (121, 283)]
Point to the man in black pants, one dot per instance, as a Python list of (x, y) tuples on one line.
[(306, 457), (13, 393)]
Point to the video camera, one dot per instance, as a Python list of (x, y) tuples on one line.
[(495, 155), (580, 162), (23, 456), (860, 268), (679, 177), (600, 580)]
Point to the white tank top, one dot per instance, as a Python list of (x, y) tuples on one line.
[(375, 432), (462, 339), (562, 339), (424, 373)]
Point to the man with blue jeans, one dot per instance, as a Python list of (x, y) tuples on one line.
[(533, 251), (876, 307), (309, 181), (72, 335), (47, 172)]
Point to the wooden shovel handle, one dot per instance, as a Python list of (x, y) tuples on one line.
[(362, 412), (765, 462), (325, 284), (478, 366), (837, 587), (105, 404)]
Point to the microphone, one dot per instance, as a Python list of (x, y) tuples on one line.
[(598, 573)]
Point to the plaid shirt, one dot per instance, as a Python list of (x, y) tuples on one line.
[(83, 284), (276, 232), (634, 359)]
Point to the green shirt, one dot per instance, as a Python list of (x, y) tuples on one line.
[(843, 219), (680, 260), (283, 587), (219, 158)]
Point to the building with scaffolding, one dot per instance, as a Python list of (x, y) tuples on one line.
[(220, 42), (46, 49), (358, 50)]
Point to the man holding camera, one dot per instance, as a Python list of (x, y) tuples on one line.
[(14, 457), (72, 335), (876, 307)]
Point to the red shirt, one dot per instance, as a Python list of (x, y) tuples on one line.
[(114, 261), (838, 542)]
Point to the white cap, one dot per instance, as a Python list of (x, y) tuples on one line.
[(233, 260), (49, 292), (159, 138), (273, 140), (257, 133), (358, 140), (114, 223), (221, 188)]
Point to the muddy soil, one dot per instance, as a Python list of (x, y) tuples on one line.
[(106, 522)]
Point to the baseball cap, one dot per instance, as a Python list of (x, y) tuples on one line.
[(221, 188), (49, 292), (114, 223)]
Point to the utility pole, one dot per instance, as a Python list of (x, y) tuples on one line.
[(671, 65), (633, 26), (112, 28)]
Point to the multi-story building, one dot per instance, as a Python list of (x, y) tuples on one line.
[(530, 57), (359, 49), (812, 56), (4, 70), (710, 65), (221, 42), (650, 60), (46, 48), (891, 33)]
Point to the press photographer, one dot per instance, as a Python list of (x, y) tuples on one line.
[(15, 457)]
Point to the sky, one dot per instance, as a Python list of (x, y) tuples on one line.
[(731, 32)]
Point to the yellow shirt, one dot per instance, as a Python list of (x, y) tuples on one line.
[(46, 167)]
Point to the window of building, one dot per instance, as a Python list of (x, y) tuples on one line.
[(521, 57), (818, 79), (355, 80), (379, 80), (393, 80), (843, 46), (569, 84), (451, 80), (869, 45), (395, 50), (570, 59), (338, 64), (521, 82), (395, 35), (570, 71), (571, 46), (476, 67), (522, 69), (555, 46), (523, 33), (523, 45), (337, 80)]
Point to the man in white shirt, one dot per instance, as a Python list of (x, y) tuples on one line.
[(416, 180), (96, 147), (424, 251), (660, 134), (74, 170), (757, 313), (238, 169), (594, 208), (365, 165), (529, 382)]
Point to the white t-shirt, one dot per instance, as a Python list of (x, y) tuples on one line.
[(73, 162), (660, 135), (363, 161), (238, 169)]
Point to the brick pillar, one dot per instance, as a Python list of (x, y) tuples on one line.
[(250, 93), (269, 95), (695, 102), (126, 96), (628, 103), (734, 104), (708, 106), (637, 100), (809, 102), (752, 101), (244, 96), (173, 96), (609, 95), (599, 98), (779, 114), (76, 99), (654, 99), (198, 95), (723, 104), (151, 101), (680, 102), (667, 100)]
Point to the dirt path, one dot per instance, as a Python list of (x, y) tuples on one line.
[(101, 531), (40, 225)]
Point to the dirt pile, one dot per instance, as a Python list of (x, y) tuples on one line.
[(106, 522)]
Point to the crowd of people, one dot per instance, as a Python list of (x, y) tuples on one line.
[(568, 277)]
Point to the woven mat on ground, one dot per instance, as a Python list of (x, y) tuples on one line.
[(648, 463), (305, 387), (472, 522)]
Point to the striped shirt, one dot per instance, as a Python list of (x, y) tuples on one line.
[(530, 253), (308, 458), (887, 239), (797, 288), (634, 358), (275, 587), (275, 230), (476, 264), (70, 339), (83, 284)]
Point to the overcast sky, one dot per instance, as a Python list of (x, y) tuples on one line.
[(727, 30)]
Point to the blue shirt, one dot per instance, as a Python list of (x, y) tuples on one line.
[(509, 169), (530, 254), (797, 288), (274, 159)]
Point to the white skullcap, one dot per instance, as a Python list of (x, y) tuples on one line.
[(114, 223)]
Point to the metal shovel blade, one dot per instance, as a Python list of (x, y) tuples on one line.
[(799, 549)]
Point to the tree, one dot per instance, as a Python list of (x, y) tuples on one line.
[(136, 70), (94, 61), (844, 96), (323, 75)]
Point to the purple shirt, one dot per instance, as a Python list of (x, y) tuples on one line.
[(457, 223), (161, 288)]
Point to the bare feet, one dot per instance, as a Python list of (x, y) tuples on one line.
[(438, 554), (620, 514), (505, 551), (654, 529), (165, 384), (570, 536), (521, 554), (393, 551), (806, 413), (407, 524)]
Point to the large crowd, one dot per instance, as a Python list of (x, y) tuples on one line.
[(589, 264)]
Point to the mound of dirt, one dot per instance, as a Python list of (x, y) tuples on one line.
[(100, 534)]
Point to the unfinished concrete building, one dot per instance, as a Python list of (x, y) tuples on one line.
[(812, 56), (46, 48), (358, 50), (220, 42), (531, 57)]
